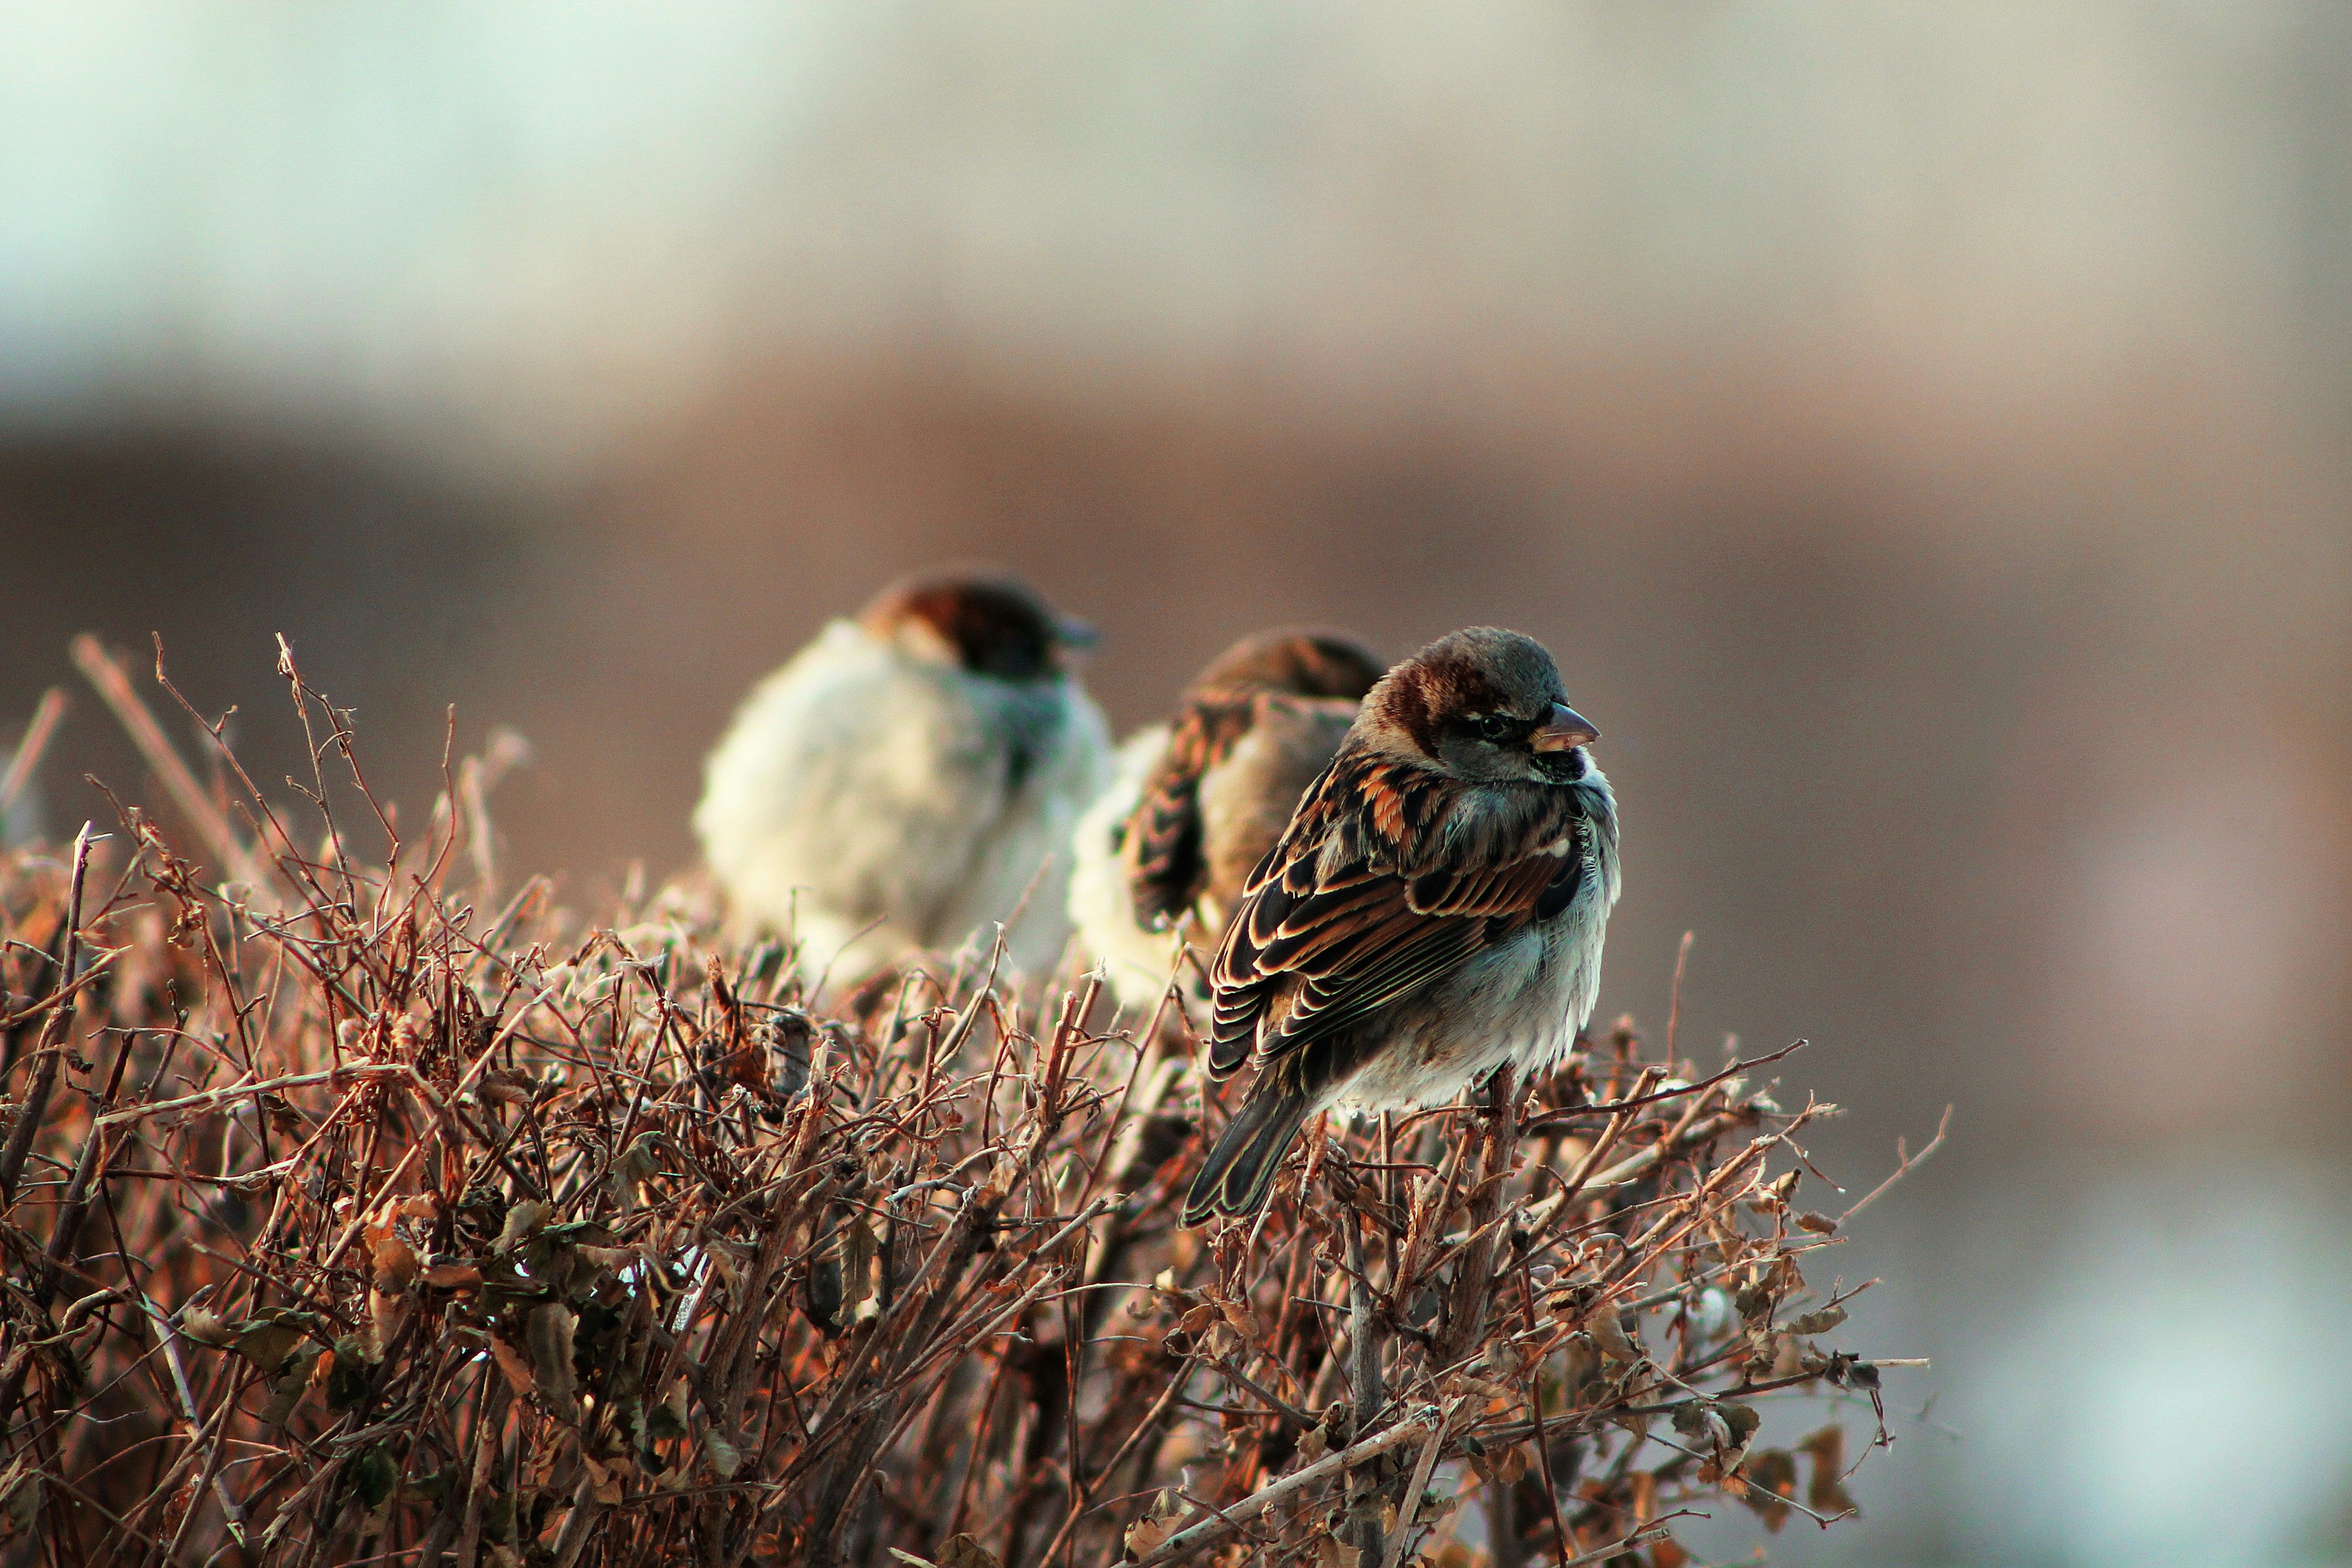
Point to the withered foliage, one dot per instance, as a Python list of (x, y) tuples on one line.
[(358, 1214)]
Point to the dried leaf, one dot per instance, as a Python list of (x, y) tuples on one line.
[(206, 1328), (514, 1365), (499, 1518), (1144, 1536), (1819, 1223), (725, 1457), (283, 1115), (549, 1332), (963, 1552), (1701, 1427), (267, 1342), (668, 1419), (451, 1275), (823, 1293), (286, 1389), (396, 1261), (347, 1373), (1609, 1333), (522, 1222), (722, 1265), (858, 1250), (638, 1165), (385, 1316), (1771, 1479), (504, 1086), (1002, 1175), (24, 1502), (1827, 1494), (605, 1482), (1820, 1321)]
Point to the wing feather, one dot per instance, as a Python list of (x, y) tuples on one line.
[(1369, 899), (1168, 862)]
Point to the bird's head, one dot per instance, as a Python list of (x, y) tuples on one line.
[(989, 622), (1297, 661), (1481, 704)]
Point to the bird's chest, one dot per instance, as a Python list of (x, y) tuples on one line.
[(1521, 1002)]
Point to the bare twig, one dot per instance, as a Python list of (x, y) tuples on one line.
[(212, 825), (1905, 1164), (1186, 1542)]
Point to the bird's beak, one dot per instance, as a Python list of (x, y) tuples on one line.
[(1566, 728), (1072, 632)]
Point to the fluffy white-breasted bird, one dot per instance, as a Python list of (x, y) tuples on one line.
[(1198, 801), (909, 777), (1434, 912)]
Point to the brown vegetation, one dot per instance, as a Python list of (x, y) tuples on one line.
[(357, 1213)]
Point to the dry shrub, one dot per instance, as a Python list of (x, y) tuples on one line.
[(357, 1214)]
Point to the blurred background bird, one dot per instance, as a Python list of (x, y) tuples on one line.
[(910, 777), (1434, 911), (1198, 801)]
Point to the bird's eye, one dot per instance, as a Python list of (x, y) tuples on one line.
[(1494, 727)]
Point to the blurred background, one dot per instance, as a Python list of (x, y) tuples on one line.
[(1922, 434)]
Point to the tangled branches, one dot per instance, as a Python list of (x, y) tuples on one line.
[(354, 1218)]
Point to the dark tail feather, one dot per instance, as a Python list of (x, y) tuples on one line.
[(1241, 1166)]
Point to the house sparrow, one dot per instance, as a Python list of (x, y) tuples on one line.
[(909, 777), (1434, 912), (1197, 801)]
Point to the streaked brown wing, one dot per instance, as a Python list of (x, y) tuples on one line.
[(1167, 864), (1313, 951)]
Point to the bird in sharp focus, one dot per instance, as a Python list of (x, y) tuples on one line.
[(1434, 912), (1199, 800), (910, 776)]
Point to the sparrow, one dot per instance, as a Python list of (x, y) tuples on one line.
[(1198, 801), (910, 776), (1434, 910)]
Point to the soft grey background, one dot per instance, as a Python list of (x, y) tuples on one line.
[(1920, 430)]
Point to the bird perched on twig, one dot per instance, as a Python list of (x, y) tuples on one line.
[(1198, 801), (910, 776), (1434, 912)]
